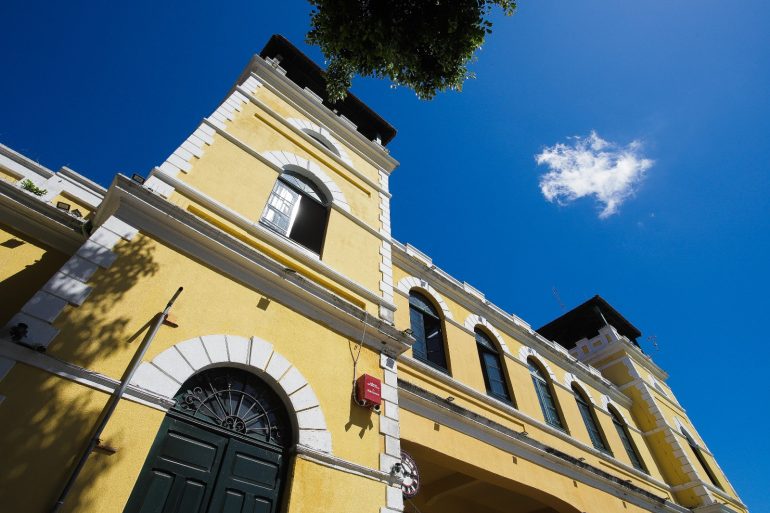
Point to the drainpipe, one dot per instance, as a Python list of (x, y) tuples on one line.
[(113, 401)]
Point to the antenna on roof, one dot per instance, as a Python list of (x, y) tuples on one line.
[(653, 339), (555, 292)]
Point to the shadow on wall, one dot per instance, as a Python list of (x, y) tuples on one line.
[(16, 290), (47, 421)]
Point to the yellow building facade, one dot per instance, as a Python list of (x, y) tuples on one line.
[(274, 218)]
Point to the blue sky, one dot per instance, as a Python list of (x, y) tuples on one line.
[(116, 89)]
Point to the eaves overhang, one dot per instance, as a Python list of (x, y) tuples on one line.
[(585, 321), (279, 84), (40, 220), (301, 70)]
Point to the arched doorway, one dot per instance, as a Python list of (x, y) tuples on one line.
[(223, 447)]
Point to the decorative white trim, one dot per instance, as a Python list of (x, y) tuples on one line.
[(530, 450), (256, 229), (171, 368), (286, 160), (68, 286), (411, 260), (474, 320), (527, 352), (287, 90), (194, 146), (281, 120), (343, 465), (525, 419), (386, 251), (304, 124), (10, 353), (410, 282), (570, 378), (65, 181), (672, 437), (389, 420)]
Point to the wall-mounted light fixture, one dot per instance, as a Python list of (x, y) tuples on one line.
[(137, 178), (62, 205)]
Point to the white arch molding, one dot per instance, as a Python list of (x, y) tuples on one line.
[(526, 352), (474, 320), (570, 378), (304, 124), (286, 160), (166, 373), (412, 282)]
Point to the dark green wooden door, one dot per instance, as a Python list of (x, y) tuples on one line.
[(191, 469), (249, 480), (180, 471)]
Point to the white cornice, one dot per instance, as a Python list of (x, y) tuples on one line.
[(523, 417), (534, 451), (309, 140), (722, 494), (671, 403), (292, 94), (631, 350), (40, 220), (80, 375), (288, 246), (278, 170), (188, 234), (508, 323), (343, 465)]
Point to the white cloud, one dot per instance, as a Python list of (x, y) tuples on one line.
[(592, 166)]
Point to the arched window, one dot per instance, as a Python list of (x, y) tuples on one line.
[(426, 325), (589, 419), (492, 367), (625, 438), (544, 396), (298, 209), (323, 141), (701, 459)]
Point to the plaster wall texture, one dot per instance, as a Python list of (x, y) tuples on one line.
[(27, 264)]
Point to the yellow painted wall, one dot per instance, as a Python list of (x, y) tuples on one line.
[(286, 111), (46, 421), (25, 266), (75, 204), (8, 176), (465, 368), (243, 184), (225, 170), (447, 447), (103, 333), (319, 488)]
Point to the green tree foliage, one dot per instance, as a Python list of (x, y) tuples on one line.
[(422, 44)]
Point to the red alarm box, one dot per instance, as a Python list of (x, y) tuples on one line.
[(368, 391)]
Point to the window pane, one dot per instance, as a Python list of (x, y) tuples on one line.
[(418, 329), (628, 444), (590, 422), (547, 404), (434, 342), (483, 339), (422, 303), (309, 226), (494, 378), (280, 207), (303, 185)]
